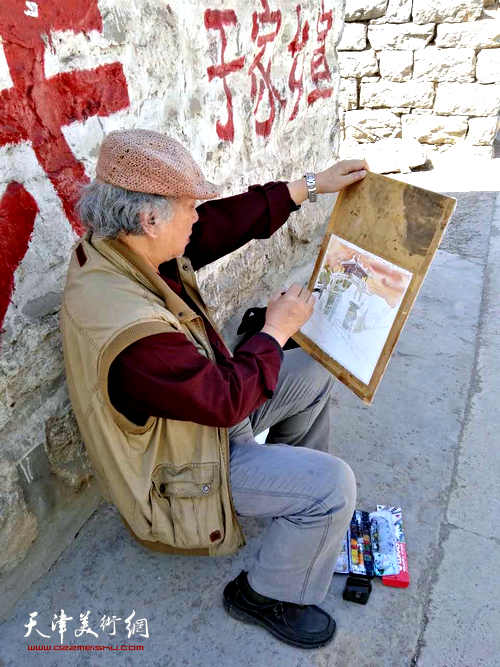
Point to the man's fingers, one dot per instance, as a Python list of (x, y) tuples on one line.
[(307, 295), (299, 291), (276, 295), (294, 289), (355, 176), (311, 297), (349, 166)]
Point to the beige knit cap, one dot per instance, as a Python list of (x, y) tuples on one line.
[(147, 161)]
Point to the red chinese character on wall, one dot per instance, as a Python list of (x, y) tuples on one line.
[(216, 19), (35, 109), (258, 68), (18, 211), (319, 65), (295, 47)]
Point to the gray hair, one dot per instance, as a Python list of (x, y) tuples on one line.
[(108, 209)]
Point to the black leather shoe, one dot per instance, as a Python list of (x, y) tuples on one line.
[(306, 626)]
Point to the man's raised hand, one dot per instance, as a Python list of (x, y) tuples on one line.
[(340, 175)]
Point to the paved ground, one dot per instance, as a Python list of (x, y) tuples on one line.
[(427, 443)]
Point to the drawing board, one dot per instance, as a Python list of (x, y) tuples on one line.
[(380, 240)]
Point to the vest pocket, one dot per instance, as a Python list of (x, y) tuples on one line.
[(187, 504)]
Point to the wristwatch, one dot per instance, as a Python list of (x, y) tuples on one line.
[(311, 185)]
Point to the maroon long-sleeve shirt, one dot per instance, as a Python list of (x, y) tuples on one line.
[(164, 375)]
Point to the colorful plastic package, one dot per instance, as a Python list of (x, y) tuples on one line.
[(375, 545)]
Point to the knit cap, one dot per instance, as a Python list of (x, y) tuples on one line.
[(148, 161)]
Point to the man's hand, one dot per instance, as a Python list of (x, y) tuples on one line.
[(333, 179), (340, 175), (288, 311)]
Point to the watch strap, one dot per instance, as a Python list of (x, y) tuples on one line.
[(310, 178)]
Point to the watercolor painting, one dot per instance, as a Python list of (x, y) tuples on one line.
[(359, 295)]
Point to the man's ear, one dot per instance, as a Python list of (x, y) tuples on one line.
[(148, 223)]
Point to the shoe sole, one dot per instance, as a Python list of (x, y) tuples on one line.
[(244, 616)]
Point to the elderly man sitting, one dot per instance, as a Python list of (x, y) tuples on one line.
[(166, 411)]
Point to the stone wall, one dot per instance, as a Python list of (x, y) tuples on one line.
[(250, 90), (419, 78)]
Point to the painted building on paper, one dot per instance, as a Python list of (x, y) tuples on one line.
[(344, 294)]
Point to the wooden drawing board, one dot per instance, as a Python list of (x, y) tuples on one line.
[(396, 222)]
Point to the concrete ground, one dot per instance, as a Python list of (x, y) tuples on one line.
[(429, 443)]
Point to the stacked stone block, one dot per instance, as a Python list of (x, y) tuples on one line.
[(418, 78)]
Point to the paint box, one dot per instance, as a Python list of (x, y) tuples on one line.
[(375, 545)]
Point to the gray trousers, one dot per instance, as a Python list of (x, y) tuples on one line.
[(309, 493)]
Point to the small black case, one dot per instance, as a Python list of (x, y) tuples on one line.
[(357, 589)]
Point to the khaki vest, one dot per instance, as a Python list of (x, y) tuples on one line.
[(169, 479)]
